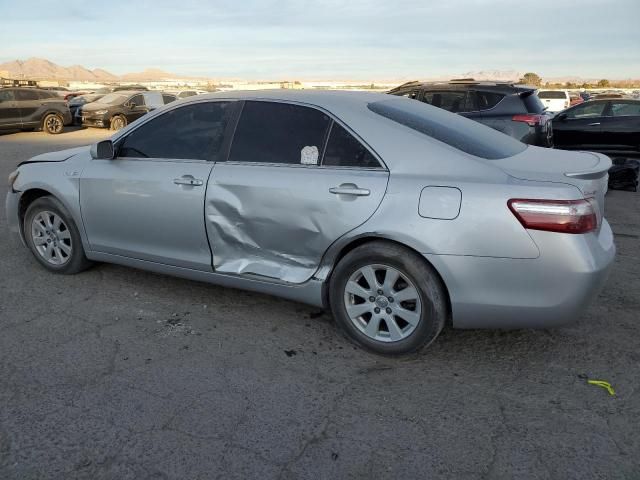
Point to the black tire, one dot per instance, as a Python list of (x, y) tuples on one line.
[(53, 124), (76, 261), (431, 291), (118, 122)]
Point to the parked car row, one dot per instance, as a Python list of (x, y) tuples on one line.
[(51, 109)]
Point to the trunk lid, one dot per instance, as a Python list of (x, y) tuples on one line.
[(588, 171)]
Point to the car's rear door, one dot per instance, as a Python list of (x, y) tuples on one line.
[(621, 125), (9, 109), (30, 105), (148, 202), (580, 127), (295, 181)]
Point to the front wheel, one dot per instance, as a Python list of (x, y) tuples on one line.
[(387, 298), (53, 237), (118, 122), (53, 123)]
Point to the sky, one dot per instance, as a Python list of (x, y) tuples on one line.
[(335, 39)]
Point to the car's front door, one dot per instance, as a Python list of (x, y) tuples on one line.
[(295, 181), (148, 202), (621, 125), (579, 127), (9, 109), (135, 108)]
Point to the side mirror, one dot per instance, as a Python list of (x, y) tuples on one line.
[(132, 105), (562, 117), (102, 150)]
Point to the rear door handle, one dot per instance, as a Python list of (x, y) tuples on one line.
[(350, 189), (188, 180), (593, 124)]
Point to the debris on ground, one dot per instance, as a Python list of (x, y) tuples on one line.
[(601, 383), (290, 353)]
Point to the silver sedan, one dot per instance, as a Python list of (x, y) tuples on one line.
[(396, 215)]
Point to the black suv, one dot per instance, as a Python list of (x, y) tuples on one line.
[(116, 110), (31, 108), (512, 109)]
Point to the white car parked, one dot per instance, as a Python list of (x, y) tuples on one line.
[(555, 100)]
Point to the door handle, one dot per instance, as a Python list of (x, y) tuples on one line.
[(593, 124), (188, 180), (350, 189)]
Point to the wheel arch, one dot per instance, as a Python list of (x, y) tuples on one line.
[(356, 242), (27, 198)]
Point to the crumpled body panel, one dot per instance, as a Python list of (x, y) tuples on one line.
[(277, 221)]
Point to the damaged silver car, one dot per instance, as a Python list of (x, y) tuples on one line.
[(396, 215)]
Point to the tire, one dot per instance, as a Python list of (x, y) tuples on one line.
[(419, 309), (52, 123), (118, 122), (45, 237)]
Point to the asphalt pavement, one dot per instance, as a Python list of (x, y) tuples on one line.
[(121, 374)]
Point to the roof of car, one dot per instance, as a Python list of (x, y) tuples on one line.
[(465, 84), (319, 98)]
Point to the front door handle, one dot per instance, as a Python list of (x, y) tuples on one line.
[(188, 180), (593, 124), (350, 189)]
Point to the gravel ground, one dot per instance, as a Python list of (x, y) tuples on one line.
[(121, 374)]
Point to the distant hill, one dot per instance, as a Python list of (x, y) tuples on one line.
[(42, 69)]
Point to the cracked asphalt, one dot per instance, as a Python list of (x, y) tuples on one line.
[(122, 374)]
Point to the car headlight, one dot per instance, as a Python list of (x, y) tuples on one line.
[(13, 176), (100, 112)]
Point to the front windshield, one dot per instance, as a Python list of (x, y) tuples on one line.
[(113, 98)]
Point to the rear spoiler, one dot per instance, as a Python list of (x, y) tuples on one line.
[(598, 172)]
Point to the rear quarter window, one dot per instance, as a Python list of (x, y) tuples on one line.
[(454, 130)]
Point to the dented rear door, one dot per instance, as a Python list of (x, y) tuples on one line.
[(295, 182)]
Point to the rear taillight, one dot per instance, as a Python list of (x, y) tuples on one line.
[(531, 119), (564, 216)]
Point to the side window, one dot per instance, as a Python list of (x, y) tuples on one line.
[(26, 95), (413, 94), (587, 110), (152, 99), (190, 132), (166, 98), (138, 100), (344, 150), (626, 109), (270, 132), (6, 95), (453, 101), (487, 100)]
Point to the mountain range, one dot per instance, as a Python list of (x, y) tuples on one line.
[(42, 69)]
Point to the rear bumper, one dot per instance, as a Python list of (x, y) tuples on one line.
[(553, 289)]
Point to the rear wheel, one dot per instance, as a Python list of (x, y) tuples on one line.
[(53, 238), (387, 298), (53, 123), (118, 122)]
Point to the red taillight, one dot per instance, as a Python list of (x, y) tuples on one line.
[(530, 118), (564, 216)]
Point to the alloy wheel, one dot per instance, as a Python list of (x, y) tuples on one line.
[(51, 238), (53, 124), (382, 303)]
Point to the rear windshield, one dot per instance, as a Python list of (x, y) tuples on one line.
[(551, 94), (454, 130)]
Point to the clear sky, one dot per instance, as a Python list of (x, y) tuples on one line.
[(340, 39)]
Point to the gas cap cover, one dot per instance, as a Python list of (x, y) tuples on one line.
[(440, 202)]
